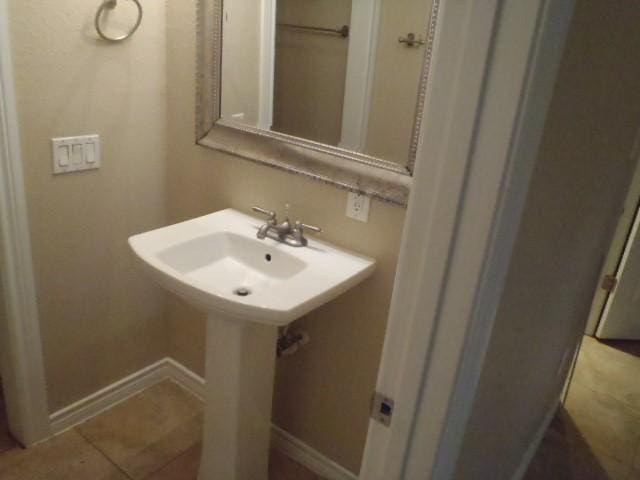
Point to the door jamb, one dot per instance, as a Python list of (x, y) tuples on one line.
[(493, 74), (20, 344), (620, 267), (618, 244)]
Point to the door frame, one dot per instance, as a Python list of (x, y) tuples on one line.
[(613, 257), (493, 74), (632, 237), (21, 360)]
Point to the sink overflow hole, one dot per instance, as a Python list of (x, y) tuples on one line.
[(242, 291), (268, 257)]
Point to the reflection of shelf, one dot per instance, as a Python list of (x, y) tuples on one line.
[(343, 31)]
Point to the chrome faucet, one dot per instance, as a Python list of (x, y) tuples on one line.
[(285, 232)]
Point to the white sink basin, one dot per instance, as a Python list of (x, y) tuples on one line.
[(208, 259), (249, 287)]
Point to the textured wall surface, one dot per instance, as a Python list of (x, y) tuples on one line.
[(578, 187), (101, 318), (322, 394)]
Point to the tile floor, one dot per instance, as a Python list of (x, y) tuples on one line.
[(596, 435), (154, 435)]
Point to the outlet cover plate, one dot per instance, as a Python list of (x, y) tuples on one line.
[(358, 206)]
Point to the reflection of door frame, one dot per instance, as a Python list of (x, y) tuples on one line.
[(267, 63), (613, 256), (363, 42), (20, 345)]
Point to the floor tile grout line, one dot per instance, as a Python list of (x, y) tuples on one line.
[(156, 405), (180, 455), (121, 469), (103, 454), (168, 463)]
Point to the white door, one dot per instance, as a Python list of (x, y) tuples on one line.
[(621, 315)]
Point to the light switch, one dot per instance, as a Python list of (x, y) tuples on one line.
[(76, 154), (73, 154), (89, 153), (62, 155)]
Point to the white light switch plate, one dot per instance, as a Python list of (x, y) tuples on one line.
[(358, 207), (74, 154)]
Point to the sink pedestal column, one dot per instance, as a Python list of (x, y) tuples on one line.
[(240, 371)]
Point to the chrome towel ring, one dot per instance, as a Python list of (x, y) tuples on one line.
[(111, 4)]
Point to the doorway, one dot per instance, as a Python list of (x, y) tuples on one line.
[(596, 432), (616, 301)]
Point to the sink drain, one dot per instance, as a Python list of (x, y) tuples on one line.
[(242, 291)]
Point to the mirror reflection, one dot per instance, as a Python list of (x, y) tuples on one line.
[(344, 73)]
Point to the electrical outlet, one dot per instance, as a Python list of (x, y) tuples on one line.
[(358, 207)]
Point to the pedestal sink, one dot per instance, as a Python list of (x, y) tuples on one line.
[(249, 288)]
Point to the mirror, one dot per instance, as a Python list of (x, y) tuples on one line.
[(336, 81), (332, 72)]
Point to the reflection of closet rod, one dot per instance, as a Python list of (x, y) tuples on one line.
[(343, 31)]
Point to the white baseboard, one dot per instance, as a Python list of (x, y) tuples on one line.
[(305, 455), (535, 443), (104, 399), (168, 368), (186, 378)]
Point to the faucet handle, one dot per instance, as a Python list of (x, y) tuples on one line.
[(310, 227), (271, 215), (301, 227)]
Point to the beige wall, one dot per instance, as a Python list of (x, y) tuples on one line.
[(101, 318), (323, 392), (577, 190), (310, 70), (241, 79)]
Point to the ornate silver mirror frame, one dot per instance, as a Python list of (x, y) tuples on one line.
[(346, 169)]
